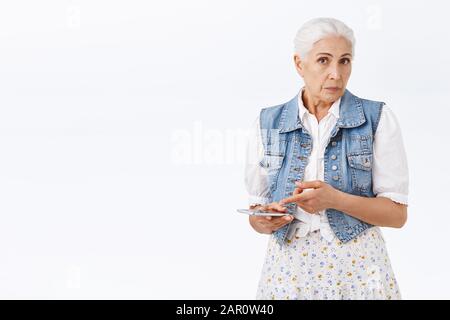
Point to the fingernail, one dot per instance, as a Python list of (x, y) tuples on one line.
[(287, 218)]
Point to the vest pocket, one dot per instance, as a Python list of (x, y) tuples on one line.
[(272, 161), (361, 171)]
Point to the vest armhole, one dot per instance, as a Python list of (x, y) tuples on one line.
[(375, 126)]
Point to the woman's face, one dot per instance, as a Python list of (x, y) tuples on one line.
[(327, 68)]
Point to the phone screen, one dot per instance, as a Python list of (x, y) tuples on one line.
[(262, 213)]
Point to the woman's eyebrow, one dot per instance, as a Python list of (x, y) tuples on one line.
[(325, 53), (329, 54)]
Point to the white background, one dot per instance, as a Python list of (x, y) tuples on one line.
[(122, 136)]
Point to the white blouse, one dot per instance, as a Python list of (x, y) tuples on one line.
[(389, 174)]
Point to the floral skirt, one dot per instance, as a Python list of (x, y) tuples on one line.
[(311, 267)]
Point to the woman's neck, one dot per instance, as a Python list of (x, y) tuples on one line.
[(315, 105)]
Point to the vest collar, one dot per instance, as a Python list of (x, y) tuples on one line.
[(351, 114)]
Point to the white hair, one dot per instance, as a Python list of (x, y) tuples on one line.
[(317, 29)]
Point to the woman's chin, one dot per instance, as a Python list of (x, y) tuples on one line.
[(332, 96)]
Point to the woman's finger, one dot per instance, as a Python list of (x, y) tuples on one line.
[(278, 207), (298, 198), (280, 222), (310, 207), (294, 198)]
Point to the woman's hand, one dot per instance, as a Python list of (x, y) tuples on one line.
[(322, 196), (269, 224)]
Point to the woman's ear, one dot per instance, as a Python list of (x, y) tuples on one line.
[(298, 64)]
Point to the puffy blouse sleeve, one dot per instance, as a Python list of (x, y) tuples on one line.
[(255, 175), (390, 167)]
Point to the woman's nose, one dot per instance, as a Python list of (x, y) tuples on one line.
[(334, 72)]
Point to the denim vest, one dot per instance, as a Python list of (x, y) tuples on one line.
[(347, 157)]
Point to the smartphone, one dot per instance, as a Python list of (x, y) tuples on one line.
[(263, 213)]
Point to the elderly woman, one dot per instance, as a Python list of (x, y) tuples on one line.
[(337, 164)]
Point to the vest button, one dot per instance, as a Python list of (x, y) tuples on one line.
[(335, 178), (333, 157), (334, 167), (334, 143)]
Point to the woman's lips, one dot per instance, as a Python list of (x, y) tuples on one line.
[(334, 89)]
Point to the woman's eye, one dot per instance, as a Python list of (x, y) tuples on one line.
[(345, 61), (322, 60)]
